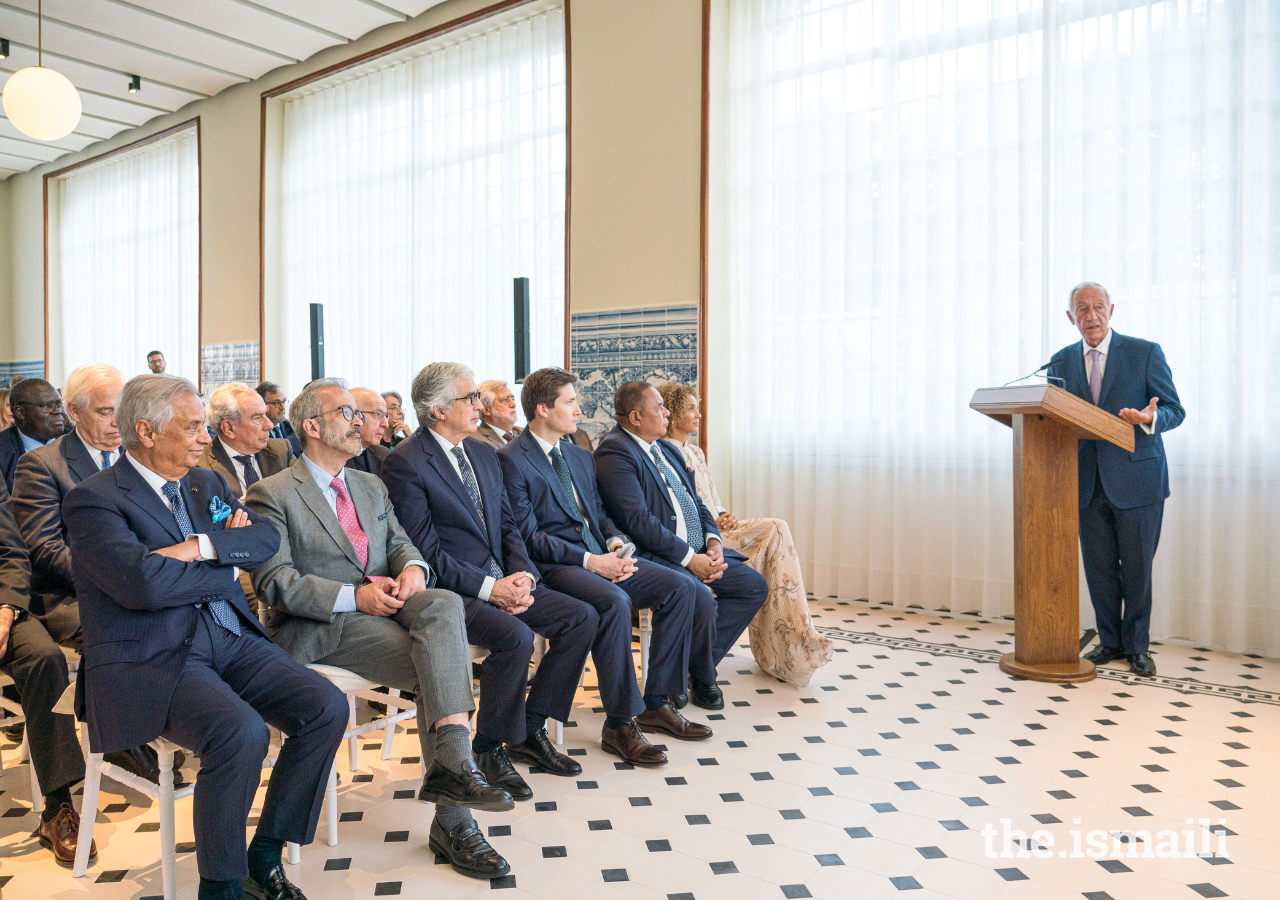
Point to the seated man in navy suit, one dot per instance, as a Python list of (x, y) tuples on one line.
[(171, 649), (552, 488), (449, 496), (648, 493), (37, 420), (1122, 494)]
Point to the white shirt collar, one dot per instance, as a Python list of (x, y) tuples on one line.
[(232, 452), (154, 481), (1104, 346), (444, 442), (644, 445), (546, 448), (94, 453), (322, 478)]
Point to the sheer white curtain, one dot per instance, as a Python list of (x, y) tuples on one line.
[(128, 258), (414, 194), (888, 219)]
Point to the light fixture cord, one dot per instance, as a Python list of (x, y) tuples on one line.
[(40, 33)]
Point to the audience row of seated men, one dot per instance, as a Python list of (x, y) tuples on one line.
[(391, 577)]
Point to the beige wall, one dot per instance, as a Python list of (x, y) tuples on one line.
[(636, 107), (6, 269)]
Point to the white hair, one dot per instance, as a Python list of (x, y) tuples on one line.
[(149, 398), (434, 386), (489, 391), (85, 380), (1071, 298), (224, 405)]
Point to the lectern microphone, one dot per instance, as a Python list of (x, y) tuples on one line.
[(1061, 382)]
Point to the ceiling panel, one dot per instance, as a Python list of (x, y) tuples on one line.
[(69, 144), (249, 23)]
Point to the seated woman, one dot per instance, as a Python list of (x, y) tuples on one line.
[(783, 639), (6, 417), (397, 428)]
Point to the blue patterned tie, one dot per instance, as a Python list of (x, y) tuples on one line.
[(566, 482), (106, 459), (250, 471), (473, 491), (692, 521), (221, 609)]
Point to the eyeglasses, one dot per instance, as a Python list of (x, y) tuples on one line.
[(347, 412), (376, 415), (275, 403), (54, 406), (472, 398)]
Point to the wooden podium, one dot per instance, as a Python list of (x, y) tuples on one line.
[(1047, 421)]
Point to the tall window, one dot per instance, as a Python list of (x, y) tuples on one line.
[(128, 259), (413, 195), (914, 187)]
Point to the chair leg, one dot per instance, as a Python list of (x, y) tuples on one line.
[(37, 798), (168, 830), (559, 732), (351, 725), (646, 637), (390, 731), (88, 812), (295, 853), (331, 802)]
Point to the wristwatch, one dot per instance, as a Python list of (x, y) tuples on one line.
[(17, 610)]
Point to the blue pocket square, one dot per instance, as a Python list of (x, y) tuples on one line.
[(381, 517), (219, 510)]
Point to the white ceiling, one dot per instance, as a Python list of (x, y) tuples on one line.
[(184, 50)]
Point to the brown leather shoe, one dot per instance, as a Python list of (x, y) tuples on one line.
[(632, 746), (59, 835), (667, 719)]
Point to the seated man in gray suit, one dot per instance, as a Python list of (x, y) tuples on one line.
[(373, 427), (347, 588), (497, 415)]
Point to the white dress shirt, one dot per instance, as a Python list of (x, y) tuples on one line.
[(346, 601), (1103, 348), (237, 466), (682, 527), (95, 454), (157, 483), (582, 510)]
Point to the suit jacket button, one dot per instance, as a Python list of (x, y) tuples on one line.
[(187, 642), (199, 606), (577, 528)]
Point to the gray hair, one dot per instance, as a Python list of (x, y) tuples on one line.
[(87, 379), (224, 405), (267, 387), (149, 398), (307, 404), (433, 387), (489, 392), (1071, 298)]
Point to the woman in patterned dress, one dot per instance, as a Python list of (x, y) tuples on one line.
[(782, 635)]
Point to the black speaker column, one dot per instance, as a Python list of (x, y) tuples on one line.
[(523, 355), (317, 341)]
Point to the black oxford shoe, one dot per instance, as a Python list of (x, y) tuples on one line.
[(679, 701), (707, 696), (1101, 655), (466, 788), (274, 887), (1142, 664), (467, 850), (537, 750), (498, 771)]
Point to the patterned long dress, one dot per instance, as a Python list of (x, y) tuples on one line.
[(782, 635)]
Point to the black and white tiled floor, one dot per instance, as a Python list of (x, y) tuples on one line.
[(877, 778)]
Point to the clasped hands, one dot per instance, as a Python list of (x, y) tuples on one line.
[(513, 594), (383, 596), (611, 565), (708, 566)]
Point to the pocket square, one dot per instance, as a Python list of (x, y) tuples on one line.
[(219, 509), (381, 517)]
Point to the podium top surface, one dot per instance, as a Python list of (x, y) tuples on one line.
[(1051, 401)]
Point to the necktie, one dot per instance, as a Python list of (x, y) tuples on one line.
[(1095, 374), (106, 459), (222, 611), (250, 473), (473, 491), (693, 523), (566, 483), (350, 524), (508, 436)]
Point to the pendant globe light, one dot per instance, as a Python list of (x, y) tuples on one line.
[(40, 102)]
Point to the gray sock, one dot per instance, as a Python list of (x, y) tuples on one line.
[(453, 746), (450, 816)]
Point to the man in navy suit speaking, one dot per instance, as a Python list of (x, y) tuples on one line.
[(1122, 494), (170, 647)]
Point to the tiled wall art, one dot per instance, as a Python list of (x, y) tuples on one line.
[(221, 363), (609, 347), (28, 368)]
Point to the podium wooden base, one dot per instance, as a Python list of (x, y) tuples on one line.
[(1057, 673)]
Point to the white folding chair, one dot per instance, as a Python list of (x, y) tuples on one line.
[(644, 628), (24, 750)]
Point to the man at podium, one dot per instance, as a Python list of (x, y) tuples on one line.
[(1122, 494)]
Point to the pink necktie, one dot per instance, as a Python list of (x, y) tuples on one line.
[(350, 524), (1095, 374)]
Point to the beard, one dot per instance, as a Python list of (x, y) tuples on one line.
[(341, 435)]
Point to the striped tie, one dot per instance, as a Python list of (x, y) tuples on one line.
[(473, 491)]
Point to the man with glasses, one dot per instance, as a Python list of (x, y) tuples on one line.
[(498, 415), (273, 396), (449, 494), (156, 362), (37, 420), (372, 453), (348, 588)]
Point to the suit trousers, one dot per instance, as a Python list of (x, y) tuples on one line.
[(422, 648), (654, 587), (1118, 546), (722, 612), (60, 616), (230, 689), (39, 672), (569, 625)]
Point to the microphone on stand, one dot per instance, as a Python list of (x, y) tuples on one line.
[(1061, 382)]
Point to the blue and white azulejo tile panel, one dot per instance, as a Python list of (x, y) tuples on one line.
[(656, 344), (29, 368), (222, 363)]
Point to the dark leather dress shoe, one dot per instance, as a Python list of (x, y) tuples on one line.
[(632, 746), (498, 771), (467, 850), (537, 750), (667, 719), (466, 788), (275, 887), (60, 833), (679, 701), (1100, 655), (707, 696), (1142, 664)]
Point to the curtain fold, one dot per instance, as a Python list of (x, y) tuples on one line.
[(414, 194), (888, 219), (129, 259)]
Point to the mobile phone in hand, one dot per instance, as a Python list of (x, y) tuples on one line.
[(627, 551)]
